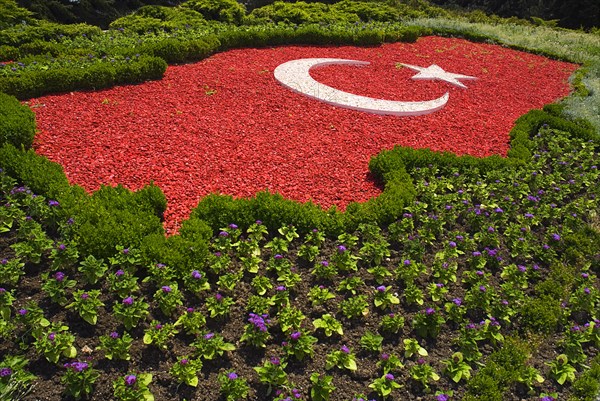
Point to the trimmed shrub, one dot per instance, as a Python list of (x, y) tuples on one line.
[(17, 122), (541, 315), (218, 10), (159, 18), (8, 53)]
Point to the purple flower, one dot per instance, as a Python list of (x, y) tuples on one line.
[(119, 273), (53, 203), (278, 256), (295, 335), (421, 361), (189, 310), (59, 276), (2, 290), (79, 366), (274, 360), (62, 247), (166, 288), (51, 336), (224, 234), (345, 349), (208, 336), (476, 253), (556, 237), (280, 288), (4, 262), (381, 288), (491, 229), (385, 357), (452, 244), (127, 301), (232, 376), (130, 380), (4, 372), (114, 335), (498, 210), (439, 285), (218, 296), (85, 295), (522, 268), (125, 251), (586, 290), (233, 226), (430, 311), (479, 273), (584, 275), (457, 301), (547, 398), (442, 397), (158, 326), (341, 248), (196, 275), (406, 262), (184, 361), (389, 376), (22, 312), (482, 288), (324, 263)]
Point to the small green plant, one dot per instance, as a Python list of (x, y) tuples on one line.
[(87, 303), (424, 374), (391, 323), (384, 298), (211, 345), (159, 334), (169, 298), (130, 311), (429, 323), (412, 347), (456, 368), (233, 387), (15, 380), (385, 385), (561, 370), (329, 324), (79, 379), (57, 341), (116, 346), (219, 306), (133, 387), (322, 387), (11, 270), (272, 373), (290, 319), (355, 307), (185, 370), (342, 359), (389, 363), (300, 345), (93, 269), (256, 332), (529, 376), (122, 282), (371, 342), (192, 321), (56, 286), (319, 295)]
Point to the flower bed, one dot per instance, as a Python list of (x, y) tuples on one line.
[(225, 125)]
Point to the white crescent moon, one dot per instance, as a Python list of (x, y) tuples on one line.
[(295, 75)]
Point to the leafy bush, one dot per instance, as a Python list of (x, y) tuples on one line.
[(8, 53), (45, 31), (179, 51), (17, 122), (159, 18), (218, 10)]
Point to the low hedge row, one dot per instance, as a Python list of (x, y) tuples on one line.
[(97, 75), (17, 125)]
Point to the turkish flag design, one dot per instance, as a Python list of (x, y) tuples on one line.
[(226, 125)]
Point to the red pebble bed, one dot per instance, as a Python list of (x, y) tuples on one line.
[(225, 125)]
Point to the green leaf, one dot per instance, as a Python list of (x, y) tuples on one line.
[(351, 364), (193, 382)]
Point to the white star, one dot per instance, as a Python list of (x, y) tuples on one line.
[(436, 72)]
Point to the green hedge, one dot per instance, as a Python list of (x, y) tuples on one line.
[(103, 74), (18, 122)]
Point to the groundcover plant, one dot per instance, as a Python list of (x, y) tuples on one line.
[(466, 278)]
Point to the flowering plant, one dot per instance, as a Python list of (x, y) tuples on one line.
[(412, 347), (290, 319), (423, 373), (116, 346), (219, 306), (389, 363), (56, 286), (159, 334), (15, 380), (79, 379), (371, 342), (185, 370), (391, 323), (457, 368), (355, 307), (86, 303), (56, 341), (272, 373), (256, 333), (385, 385), (429, 323), (342, 359), (11, 270), (300, 345), (561, 370), (192, 321), (169, 298), (210, 345), (132, 387), (233, 387), (384, 297), (318, 295), (130, 311), (122, 282)]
